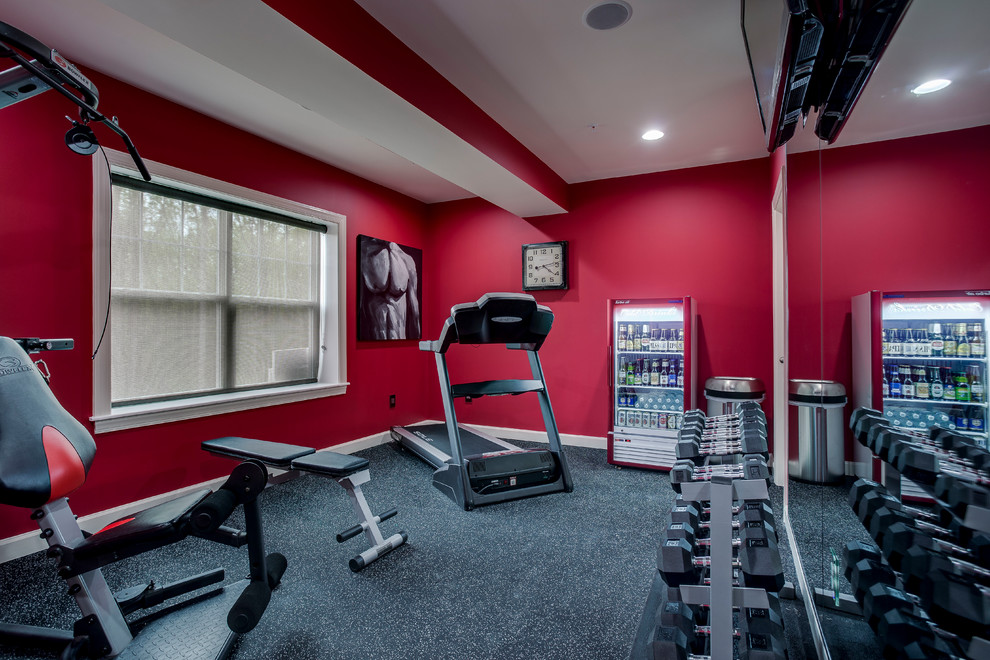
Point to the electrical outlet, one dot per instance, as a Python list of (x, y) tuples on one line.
[(391, 401)]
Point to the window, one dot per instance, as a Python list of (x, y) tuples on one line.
[(221, 298)]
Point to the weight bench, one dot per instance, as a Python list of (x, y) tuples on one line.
[(348, 471)]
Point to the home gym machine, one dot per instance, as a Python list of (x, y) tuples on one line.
[(45, 454), (41, 68), (473, 468)]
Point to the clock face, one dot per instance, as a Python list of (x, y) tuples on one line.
[(545, 266)]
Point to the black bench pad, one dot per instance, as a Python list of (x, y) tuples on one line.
[(276, 454), (330, 463)]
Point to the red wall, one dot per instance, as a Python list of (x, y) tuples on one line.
[(908, 215), (703, 232), (46, 270)]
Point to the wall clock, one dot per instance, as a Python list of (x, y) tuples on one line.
[(544, 266)]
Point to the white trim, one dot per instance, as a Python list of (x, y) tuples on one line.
[(333, 295), (215, 404)]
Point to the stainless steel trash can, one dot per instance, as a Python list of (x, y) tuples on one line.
[(724, 394), (821, 435)]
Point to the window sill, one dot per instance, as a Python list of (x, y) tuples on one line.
[(148, 414)]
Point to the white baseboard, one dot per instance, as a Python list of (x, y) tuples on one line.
[(30, 542)]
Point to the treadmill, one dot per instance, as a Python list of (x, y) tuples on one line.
[(474, 468)]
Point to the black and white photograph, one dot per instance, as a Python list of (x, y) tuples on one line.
[(390, 295)]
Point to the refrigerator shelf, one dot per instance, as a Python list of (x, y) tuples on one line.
[(649, 352), (942, 402), (652, 387), (932, 357)]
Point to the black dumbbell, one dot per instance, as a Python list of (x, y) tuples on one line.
[(750, 647), (957, 604), (697, 516), (863, 567), (917, 562), (905, 634), (923, 467), (755, 621), (747, 530), (757, 558), (753, 466), (904, 532), (748, 443), (961, 495)]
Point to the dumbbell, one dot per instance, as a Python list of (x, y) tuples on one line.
[(744, 410), (690, 446), (923, 467), (747, 530), (748, 511), (751, 646), (867, 497), (716, 425), (960, 495), (905, 634), (753, 466), (752, 621), (897, 532), (863, 567), (757, 558), (886, 443)]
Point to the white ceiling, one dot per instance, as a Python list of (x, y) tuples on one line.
[(577, 98)]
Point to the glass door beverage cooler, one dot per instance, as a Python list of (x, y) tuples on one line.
[(651, 356), (921, 359)]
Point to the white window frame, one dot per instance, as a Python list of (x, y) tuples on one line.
[(333, 339)]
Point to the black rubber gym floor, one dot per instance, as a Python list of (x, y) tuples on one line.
[(560, 576)]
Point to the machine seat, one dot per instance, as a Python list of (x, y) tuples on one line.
[(155, 527), (276, 454), (331, 464)]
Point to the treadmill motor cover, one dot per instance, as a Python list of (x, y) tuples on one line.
[(505, 470)]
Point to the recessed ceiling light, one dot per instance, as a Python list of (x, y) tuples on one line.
[(931, 86), (607, 15), (652, 134)]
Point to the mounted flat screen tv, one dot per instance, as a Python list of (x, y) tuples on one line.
[(818, 54)]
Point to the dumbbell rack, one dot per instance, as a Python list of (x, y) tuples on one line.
[(720, 596), (899, 593)]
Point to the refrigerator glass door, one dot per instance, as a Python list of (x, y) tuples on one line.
[(648, 395)]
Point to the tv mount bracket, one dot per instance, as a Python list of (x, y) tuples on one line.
[(42, 68)]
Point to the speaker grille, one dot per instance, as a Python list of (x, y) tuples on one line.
[(607, 15)]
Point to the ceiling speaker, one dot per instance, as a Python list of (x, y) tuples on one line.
[(607, 15)]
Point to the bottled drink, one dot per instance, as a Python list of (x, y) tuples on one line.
[(949, 347), (638, 373), (622, 371), (661, 378), (962, 419), (646, 337), (976, 391), (680, 375), (962, 342), (895, 384), (654, 339), (936, 385), (655, 374), (886, 342), (978, 346), (962, 387), (921, 386), (662, 343), (938, 342), (886, 385), (907, 385), (622, 337), (680, 341), (949, 391), (924, 344), (976, 420), (907, 347), (630, 374), (896, 347), (672, 376)]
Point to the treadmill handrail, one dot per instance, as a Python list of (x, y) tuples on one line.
[(513, 319), (496, 387)]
